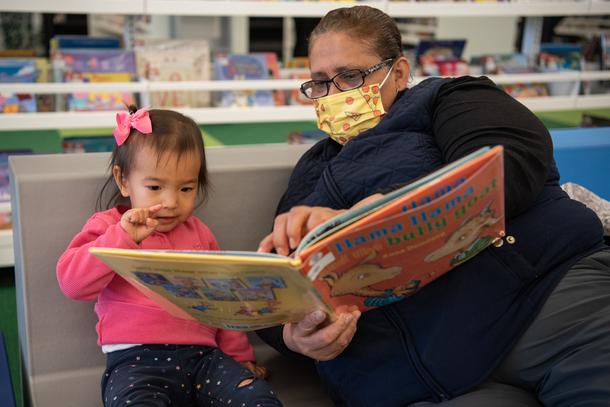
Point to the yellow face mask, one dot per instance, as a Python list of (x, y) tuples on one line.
[(346, 114)]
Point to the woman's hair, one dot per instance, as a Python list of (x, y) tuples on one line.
[(171, 132), (370, 25)]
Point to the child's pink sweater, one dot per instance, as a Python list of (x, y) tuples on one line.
[(125, 316)]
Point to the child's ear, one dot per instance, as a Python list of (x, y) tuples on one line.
[(118, 178)]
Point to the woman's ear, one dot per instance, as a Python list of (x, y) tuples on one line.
[(402, 73), (118, 178)]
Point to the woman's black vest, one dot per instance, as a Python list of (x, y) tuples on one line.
[(447, 338)]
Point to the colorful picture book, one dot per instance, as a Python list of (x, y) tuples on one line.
[(18, 70), (369, 256), (95, 65), (175, 60), (560, 57), (243, 67), (441, 57), (526, 90), (84, 42), (88, 144), (273, 65), (300, 67), (5, 185), (512, 63)]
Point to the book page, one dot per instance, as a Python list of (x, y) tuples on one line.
[(231, 290), (396, 251)]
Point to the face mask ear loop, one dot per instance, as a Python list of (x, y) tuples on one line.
[(386, 77)]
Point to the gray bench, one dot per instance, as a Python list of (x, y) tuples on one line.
[(53, 195)]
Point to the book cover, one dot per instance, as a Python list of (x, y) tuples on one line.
[(175, 60), (273, 66), (95, 65), (243, 67), (526, 90), (84, 41), (560, 57), (367, 257), (510, 63), (18, 70), (299, 69), (441, 57)]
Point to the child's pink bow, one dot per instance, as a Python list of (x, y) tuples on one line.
[(125, 122)]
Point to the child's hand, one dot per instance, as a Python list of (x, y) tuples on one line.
[(139, 223), (259, 371)]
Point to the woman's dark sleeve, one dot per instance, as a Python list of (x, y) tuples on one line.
[(473, 112)]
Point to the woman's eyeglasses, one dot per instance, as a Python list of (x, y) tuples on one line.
[(346, 80)]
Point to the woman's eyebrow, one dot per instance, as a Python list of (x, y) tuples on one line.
[(336, 70)]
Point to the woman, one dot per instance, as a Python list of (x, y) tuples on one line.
[(532, 313)]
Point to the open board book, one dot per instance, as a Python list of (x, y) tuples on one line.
[(370, 256)]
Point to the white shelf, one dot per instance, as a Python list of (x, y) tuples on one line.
[(219, 115), (204, 115), (249, 8), (7, 257), (146, 86), (521, 8), (271, 84), (74, 6), (308, 8)]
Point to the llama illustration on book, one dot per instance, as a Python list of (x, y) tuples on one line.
[(361, 281), (466, 241)]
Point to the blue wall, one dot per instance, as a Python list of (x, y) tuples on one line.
[(583, 157)]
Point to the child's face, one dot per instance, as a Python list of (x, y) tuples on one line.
[(170, 181)]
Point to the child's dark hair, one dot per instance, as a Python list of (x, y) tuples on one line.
[(171, 132)]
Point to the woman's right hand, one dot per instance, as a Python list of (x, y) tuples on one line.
[(318, 338), (290, 227), (139, 223)]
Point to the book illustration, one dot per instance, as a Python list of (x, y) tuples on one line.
[(494, 64), (273, 66), (175, 60), (361, 280), (441, 57), (370, 256), (243, 67), (85, 101), (299, 67), (560, 57), (18, 70), (464, 242), (95, 65), (84, 42), (526, 90)]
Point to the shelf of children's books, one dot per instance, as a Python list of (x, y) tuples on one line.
[(258, 114), (310, 8), (505, 8), (146, 86), (271, 84), (7, 257), (553, 103), (203, 115), (75, 6)]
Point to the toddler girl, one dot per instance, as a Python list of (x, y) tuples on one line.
[(153, 358)]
